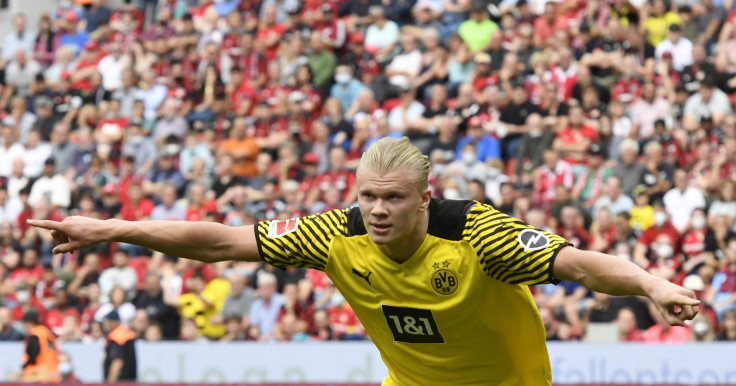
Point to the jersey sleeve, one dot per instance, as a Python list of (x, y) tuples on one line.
[(511, 250), (300, 242)]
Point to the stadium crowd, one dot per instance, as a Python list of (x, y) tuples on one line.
[(609, 122)]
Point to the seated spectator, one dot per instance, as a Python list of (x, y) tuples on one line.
[(8, 333), (63, 307), (663, 332), (120, 275), (240, 300), (646, 242), (138, 206), (642, 214), (723, 286), (682, 200), (168, 209), (626, 323), (164, 171), (710, 101), (265, 309), (719, 232), (152, 301), (118, 302), (51, 186), (629, 170), (554, 172), (613, 198), (724, 203), (590, 184), (658, 174), (554, 329), (531, 149), (728, 326), (203, 303), (575, 140), (171, 123)]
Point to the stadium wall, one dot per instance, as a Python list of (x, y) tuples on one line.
[(572, 363)]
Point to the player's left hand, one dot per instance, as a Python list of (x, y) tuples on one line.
[(675, 303)]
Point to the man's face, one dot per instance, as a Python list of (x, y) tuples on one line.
[(390, 206)]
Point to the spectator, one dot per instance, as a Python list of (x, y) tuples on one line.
[(36, 153), (10, 150), (242, 149), (682, 200), (18, 39), (661, 226), (151, 301), (119, 275), (477, 30), (678, 47), (728, 326), (658, 173), (531, 149), (629, 170), (51, 187), (118, 302), (8, 333), (642, 215), (203, 303), (321, 62), (120, 359), (382, 35), (662, 332), (626, 322), (265, 309)]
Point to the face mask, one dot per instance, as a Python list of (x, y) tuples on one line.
[(698, 222), (23, 296), (493, 172), (535, 133), (665, 251), (468, 157), (337, 300), (65, 368), (660, 218), (342, 78), (700, 327)]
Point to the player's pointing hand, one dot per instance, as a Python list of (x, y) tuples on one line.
[(676, 304), (73, 233)]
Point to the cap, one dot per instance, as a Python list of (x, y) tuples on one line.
[(357, 38), (639, 189), (44, 101), (482, 57), (311, 158), (50, 161), (595, 149), (675, 27), (112, 315), (660, 122), (91, 45), (693, 283), (708, 81), (108, 189), (71, 16), (32, 316), (475, 121)]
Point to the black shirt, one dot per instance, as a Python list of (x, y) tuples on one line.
[(121, 345)]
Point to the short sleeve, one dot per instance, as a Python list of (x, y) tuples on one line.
[(300, 242), (509, 249)]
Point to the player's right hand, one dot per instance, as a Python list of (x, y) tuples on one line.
[(74, 232)]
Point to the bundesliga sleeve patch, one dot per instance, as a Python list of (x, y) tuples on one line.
[(533, 240), (282, 227)]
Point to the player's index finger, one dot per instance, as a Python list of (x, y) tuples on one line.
[(46, 224)]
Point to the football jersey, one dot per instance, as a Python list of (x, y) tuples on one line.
[(457, 312)]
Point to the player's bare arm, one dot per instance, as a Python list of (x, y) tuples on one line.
[(618, 277), (203, 241)]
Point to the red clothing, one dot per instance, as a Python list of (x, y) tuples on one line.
[(243, 93), (86, 84), (675, 334), (544, 30), (252, 64), (343, 320), (634, 336), (88, 316), (563, 174), (571, 136), (34, 274), (264, 33), (55, 319), (343, 180), (626, 89), (135, 212), (19, 311), (650, 235), (197, 213), (693, 243), (206, 270)]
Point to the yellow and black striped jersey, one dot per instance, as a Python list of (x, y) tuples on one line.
[(457, 312)]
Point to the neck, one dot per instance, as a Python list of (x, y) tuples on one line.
[(405, 248)]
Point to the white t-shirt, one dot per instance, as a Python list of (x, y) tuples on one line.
[(112, 72), (35, 159), (8, 157)]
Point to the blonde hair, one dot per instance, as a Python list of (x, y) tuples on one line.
[(393, 154)]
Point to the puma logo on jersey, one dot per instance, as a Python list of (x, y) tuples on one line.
[(533, 240), (366, 277)]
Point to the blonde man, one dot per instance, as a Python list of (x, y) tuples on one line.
[(440, 286)]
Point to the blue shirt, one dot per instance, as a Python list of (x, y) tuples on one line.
[(487, 148), (265, 315), (76, 41), (346, 95)]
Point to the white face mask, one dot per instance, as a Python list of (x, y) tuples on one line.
[(65, 368), (664, 251), (536, 133), (700, 327), (23, 296), (493, 172), (698, 222), (468, 157), (660, 218), (342, 78)]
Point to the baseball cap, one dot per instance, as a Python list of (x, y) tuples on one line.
[(71, 16), (595, 149), (357, 38), (108, 189), (112, 315), (639, 189), (311, 158), (91, 45), (482, 57), (675, 27)]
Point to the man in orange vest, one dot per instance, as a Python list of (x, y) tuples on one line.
[(120, 361), (40, 361)]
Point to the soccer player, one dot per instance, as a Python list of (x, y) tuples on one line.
[(440, 286)]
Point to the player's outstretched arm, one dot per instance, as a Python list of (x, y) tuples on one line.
[(203, 241), (618, 277)]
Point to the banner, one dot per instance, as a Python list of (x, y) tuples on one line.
[(359, 362)]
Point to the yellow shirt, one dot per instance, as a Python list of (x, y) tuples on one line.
[(192, 307), (641, 217), (457, 312), (657, 28)]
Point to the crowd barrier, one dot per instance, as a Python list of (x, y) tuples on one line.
[(359, 362)]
